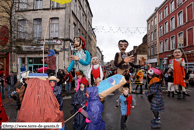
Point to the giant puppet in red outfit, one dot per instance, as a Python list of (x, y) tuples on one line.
[(96, 71), (177, 66)]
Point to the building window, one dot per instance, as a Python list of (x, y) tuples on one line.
[(152, 50), (23, 5), (148, 38), (155, 34), (38, 4), (161, 46), (151, 23), (148, 26), (166, 45), (180, 2), (172, 6), (190, 12), (166, 11), (190, 35), (54, 4), (83, 19), (78, 32), (155, 20), (173, 42), (74, 28), (155, 49), (160, 16), (79, 13), (180, 18), (166, 27), (54, 28), (75, 6), (172, 23), (21, 29), (180, 35), (85, 22), (161, 30), (37, 28), (152, 36)]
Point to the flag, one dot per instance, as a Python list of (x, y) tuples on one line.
[(62, 1)]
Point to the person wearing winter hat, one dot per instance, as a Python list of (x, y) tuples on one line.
[(81, 59), (155, 96), (51, 62), (79, 100), (80, 75), (56, 90)]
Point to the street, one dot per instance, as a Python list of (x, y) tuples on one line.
[(178, 114)]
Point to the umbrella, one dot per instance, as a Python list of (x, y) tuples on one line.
[(40, 70)]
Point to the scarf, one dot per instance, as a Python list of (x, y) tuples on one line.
[(79, 54), (154, 80)]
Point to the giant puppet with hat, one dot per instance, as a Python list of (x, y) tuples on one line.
[(95, 71), (81, 59)]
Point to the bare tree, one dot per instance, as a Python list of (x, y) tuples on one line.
[(16, 31)]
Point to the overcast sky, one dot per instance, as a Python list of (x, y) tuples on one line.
[(130, 15)]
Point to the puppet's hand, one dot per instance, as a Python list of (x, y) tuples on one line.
[(97, 81), (142, 61), (129, 59), (72, 57)]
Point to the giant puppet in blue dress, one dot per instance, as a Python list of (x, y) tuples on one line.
[(81, 59)]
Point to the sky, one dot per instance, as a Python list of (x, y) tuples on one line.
[(114, 20)]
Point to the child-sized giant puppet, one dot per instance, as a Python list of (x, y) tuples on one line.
[(96, 71), (177, 66), (123, 60), (81, 59)]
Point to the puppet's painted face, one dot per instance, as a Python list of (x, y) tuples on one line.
[(123, 46), (95, 61), (177, 53), (77, 43)]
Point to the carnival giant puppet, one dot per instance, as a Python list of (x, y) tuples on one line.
[(96, 71), (177, 66), (81, 59), (123, 60)]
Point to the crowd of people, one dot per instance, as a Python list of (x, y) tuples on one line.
[(81, 80)]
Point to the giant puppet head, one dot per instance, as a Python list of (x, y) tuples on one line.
[(123, 44), (79, 42), (177, 53), (95, 60)]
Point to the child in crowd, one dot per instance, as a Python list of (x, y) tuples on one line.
[(68, 79), (56, 90), (170, 84), (80, 75), (93, 111), (155, 96), (139, 81), (79, 100), (126, 101), (15, 96)]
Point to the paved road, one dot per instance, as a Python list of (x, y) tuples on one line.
[(178, 114)]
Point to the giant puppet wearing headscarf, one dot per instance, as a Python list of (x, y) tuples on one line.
[(51, 62), (81, 59), (177, 66), (123, 60)]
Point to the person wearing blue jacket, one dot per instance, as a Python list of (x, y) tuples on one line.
[(81, 59), (57, 90), (93, 111)]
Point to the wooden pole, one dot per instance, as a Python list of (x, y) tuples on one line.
[(45, 34)]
